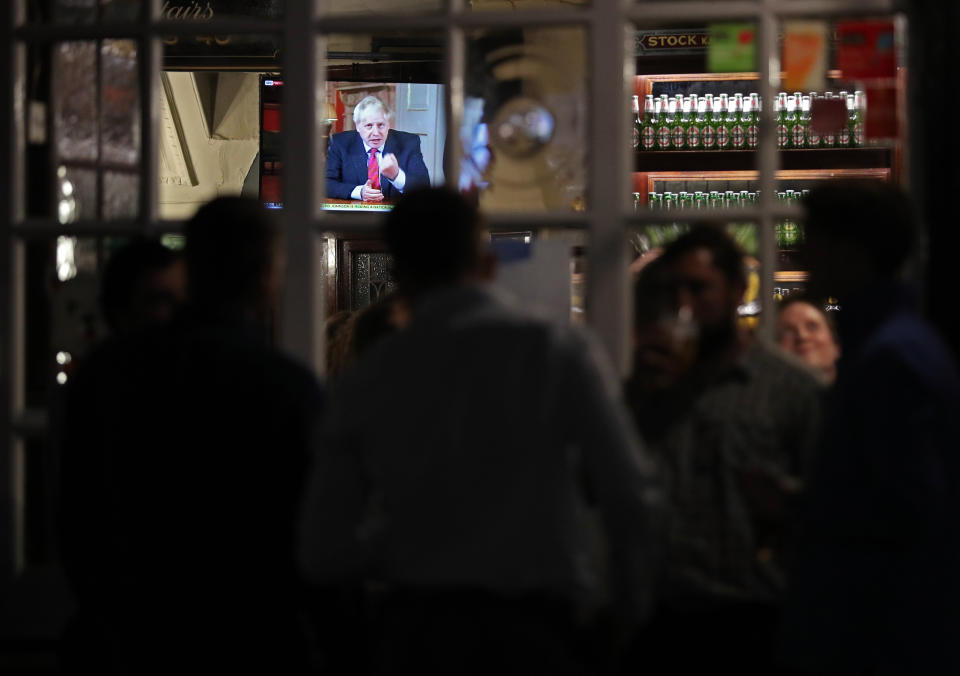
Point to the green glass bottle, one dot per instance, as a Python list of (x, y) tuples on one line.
[(783, 130), (662, 126), (708, 132), (681, 119)]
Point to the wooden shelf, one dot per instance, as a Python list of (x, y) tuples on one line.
[(822, 159)]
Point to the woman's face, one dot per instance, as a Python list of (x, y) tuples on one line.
[(803, 330)]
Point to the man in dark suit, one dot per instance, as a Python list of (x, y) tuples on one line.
[(374, 162)]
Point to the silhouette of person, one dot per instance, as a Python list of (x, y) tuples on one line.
[(875, 586), (453, 467), (732, 425), (183, 452), (143, 284)]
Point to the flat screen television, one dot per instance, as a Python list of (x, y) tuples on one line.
[(417, 108)]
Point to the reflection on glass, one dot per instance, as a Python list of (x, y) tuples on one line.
[(76, 194), (75, 100), (525, 117), (62, 314), (120, 112)]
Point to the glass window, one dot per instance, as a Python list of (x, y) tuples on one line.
[(525, 119)]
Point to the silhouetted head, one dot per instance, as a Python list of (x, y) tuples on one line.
[(233, 257), (804, 329), (664, 339), (436, 238), (857, 232), (705, 272), (143, 284)]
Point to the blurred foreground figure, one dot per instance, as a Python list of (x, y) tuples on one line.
[(875, 587), (803, 329), (144, 284), (455, 466), (183, 455), (732, 424)]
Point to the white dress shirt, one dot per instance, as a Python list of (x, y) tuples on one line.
[(399, 182)]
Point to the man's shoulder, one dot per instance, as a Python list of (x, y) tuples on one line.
[(344, 138), (907, 348), (404, 138)]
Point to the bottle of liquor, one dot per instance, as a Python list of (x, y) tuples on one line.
[(725, 121), (853, 118), (791, 234), (738, 136), (714, 201), (648, 131), (796, 138), (813, 136), (681, 119), (783, 131), (708, 131), (860, 113), (663, 124), (829, 137), (801, 128), (637, 125), (695, 123), (751, 113), (844, 138)]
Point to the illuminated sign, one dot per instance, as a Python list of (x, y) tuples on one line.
[(651, 43)]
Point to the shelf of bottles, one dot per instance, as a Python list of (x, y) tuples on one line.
[(788, 234), (685, 132)]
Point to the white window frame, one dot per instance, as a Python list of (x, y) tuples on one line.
[(610, 77)]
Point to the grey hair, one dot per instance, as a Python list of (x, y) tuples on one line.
[(369, 102)]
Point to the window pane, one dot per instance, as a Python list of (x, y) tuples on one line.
[(76, 194), (120, 193), (646, 241), (75, 101), (210, 138), (692, 113), (120, 111), (383, 91), (95, 134), (525, 116), (83, 11), (65, 302), (63, 320)]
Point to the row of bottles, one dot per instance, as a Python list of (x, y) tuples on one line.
[(732, 122), (788, 234)]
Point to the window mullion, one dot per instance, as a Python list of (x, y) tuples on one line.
[(302, 310), (767, 163), (610, 163)]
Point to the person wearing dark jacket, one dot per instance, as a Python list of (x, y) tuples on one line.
[(183, 451), (875, 585)]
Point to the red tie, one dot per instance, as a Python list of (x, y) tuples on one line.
[(373, 169)]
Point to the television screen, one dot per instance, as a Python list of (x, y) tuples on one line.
[(404, 123)]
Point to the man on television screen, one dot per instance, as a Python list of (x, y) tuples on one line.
[(374, 162)]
